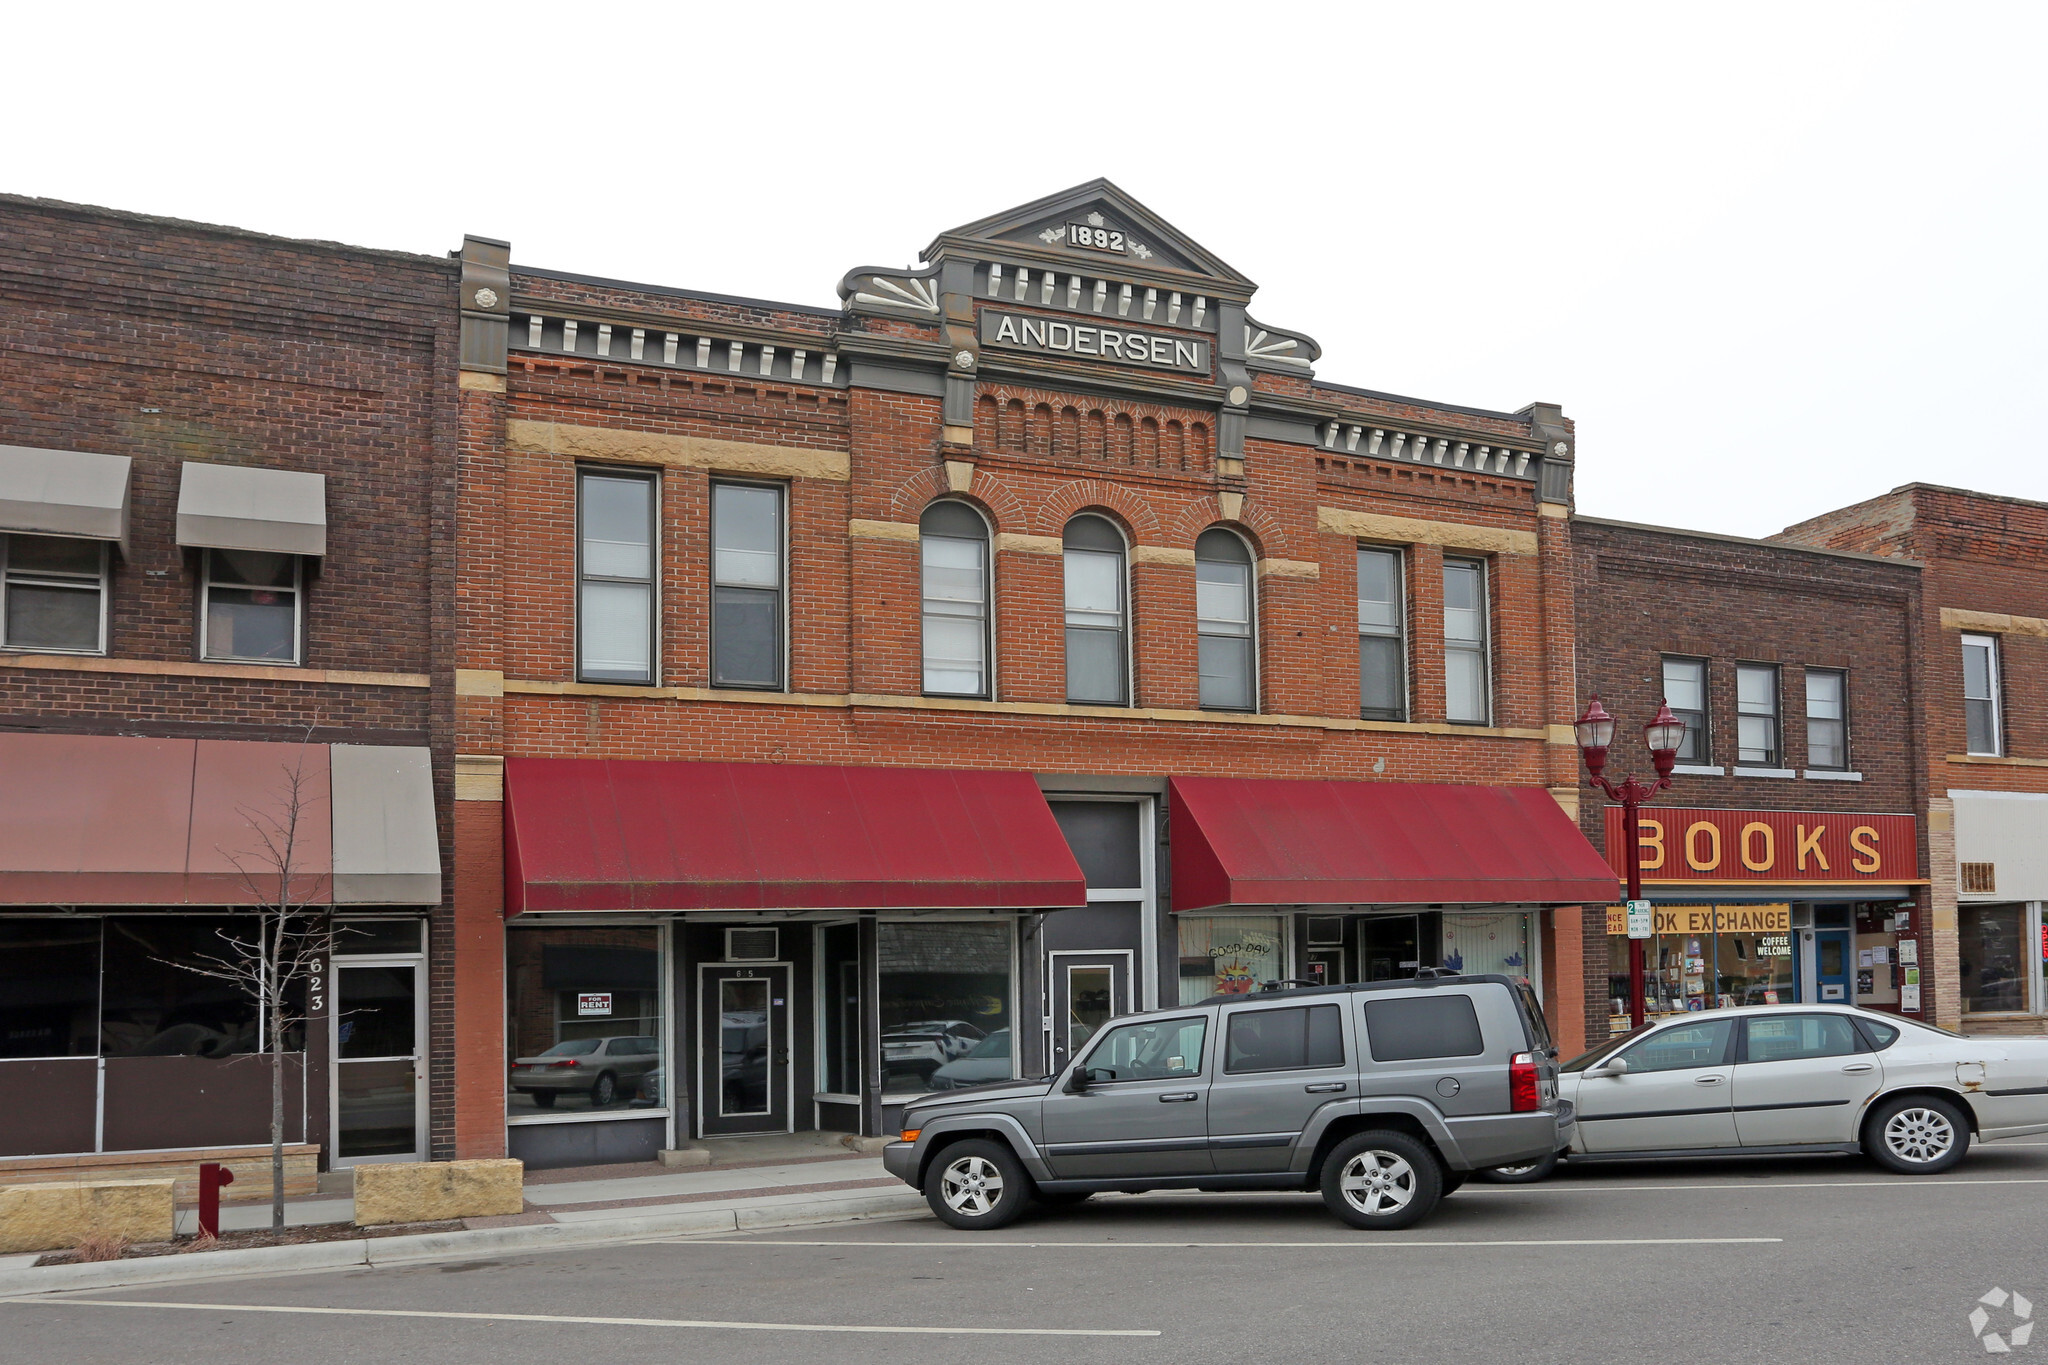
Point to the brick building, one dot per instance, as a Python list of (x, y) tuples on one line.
[(1983, 725), (226, 496), (1787, 860), (853, 701)]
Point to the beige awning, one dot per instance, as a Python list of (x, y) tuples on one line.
[(237, 507), (64, 493), (387, 848)]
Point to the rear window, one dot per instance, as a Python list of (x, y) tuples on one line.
[(1422, 1026), (1284, 1040), (1539, 1027)]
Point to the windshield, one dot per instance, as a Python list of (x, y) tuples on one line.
[(1611, 1046), (997, 1044), (574, 1047)]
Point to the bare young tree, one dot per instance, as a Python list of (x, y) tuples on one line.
[(279, 960)]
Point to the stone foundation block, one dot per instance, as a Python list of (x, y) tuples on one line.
[(428, 1191), (58, 1214)]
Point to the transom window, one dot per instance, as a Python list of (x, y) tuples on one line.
[(251, 608), (615, 567), (953, 547), (1382, 636), (1098, 670), (747, 585), (53, 594), (1685, 692), (1223, 621), (1827, 719), (1756, 715), (1467, 693)]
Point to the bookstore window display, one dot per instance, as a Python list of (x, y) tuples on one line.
[(1706, 957)]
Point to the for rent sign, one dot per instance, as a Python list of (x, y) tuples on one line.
[(1692, 845)]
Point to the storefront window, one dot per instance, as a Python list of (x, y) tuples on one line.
[(49, 987), (1488, 943), (158, 1001), (945, 990), (1229, 954), (1704, 957), (1992, 948), (839, 1009), (584, 1025)]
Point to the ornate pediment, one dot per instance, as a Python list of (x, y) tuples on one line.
[(1094, 227)]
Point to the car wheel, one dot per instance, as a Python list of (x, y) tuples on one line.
[(1521, 1173), (544, 1099), (1916, 1135), (976, 1185), (604, 1091), (1381, 1181)]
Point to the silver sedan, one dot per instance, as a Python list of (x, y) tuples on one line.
[(1761, 1080)]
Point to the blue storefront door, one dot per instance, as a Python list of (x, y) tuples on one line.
[(1833, 965)]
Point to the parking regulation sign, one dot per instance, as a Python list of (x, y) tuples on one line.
[(1641, 922)]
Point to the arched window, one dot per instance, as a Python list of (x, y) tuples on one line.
[(953, 546), (1098, 671), (1223, 621)]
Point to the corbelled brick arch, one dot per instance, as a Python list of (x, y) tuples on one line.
[(987, 490), (1268, 535), (1057, 426), (1064, 501)]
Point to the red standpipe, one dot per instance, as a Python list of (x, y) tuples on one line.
[(212, 1175)]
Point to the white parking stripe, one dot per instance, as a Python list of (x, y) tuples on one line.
[(1360, 1245), (595, 1321), (1897, 1182)]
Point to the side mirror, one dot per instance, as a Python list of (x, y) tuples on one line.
[(1077, 1081), (1613, 1066)]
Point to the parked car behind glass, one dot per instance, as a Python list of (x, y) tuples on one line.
[(603, 1068)]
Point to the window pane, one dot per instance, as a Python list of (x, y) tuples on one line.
[(253, 568), (1379, 591), (1682, 1049), (944, 989), (955, 615), (1983, 728), (840, 1007), (1382, 677), (1095, 666), (617, 640), (1756, 691), (1226, 671), (1685, 684), (49, 987), (953, 650), (1094, 587), (1104, 838), (746, 634), (591, 995), (1465, 685), (1164, 1049), (1223, 598), (746, 535), (47, 616), (1228, 955), (1824, 695), (955, 575), (1756, 740), (617, 527), (251, 623), (1284, 1040), (1977, 671), (1993, 949), (53, 555), (1426, 1026), (1797, 1037), (1826, 744), (154, 1005)]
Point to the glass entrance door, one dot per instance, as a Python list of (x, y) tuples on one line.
[(1389, 947), (1832, 965), (743, 1051), (378, 1062), (1088, 990)]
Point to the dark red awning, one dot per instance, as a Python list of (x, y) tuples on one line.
[(1245, 842), (606, 834)]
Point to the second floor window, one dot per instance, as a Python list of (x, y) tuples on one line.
[(953, 549), (1098, 672), (1980, 695), (746, 591), (1226, 657), (250, 607), (1685, 692), (53, 594), (1756, 715), (615, 571), (1382, 637), (1467, 693), (1827, 718)]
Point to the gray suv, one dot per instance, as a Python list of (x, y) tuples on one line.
[(1383, 1095)]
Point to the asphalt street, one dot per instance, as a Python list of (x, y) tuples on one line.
[(1766, 1260)]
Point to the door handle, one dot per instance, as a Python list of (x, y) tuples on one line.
[(1326, 1088), (1708, 1080), (1855, 1067), (1178, 1097)]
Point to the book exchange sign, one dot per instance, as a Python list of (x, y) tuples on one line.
[(1095, 341)]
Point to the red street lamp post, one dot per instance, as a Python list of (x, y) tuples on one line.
[(1663, 735)]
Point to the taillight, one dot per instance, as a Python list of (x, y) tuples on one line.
[(568, 1061), (1522, 1090)]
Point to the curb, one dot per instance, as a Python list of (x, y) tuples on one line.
[(423, 1247)]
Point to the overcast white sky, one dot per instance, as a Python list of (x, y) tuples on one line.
[(1772, 258)]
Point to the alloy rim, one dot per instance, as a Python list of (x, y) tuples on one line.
[(1378, 1183), (1919, 1135), (972, 1185), (1522, 1169)]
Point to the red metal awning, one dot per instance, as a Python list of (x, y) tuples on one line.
[(607, 834), (1253, 842)]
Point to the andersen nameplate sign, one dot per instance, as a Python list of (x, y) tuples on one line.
[(1094, 341)]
